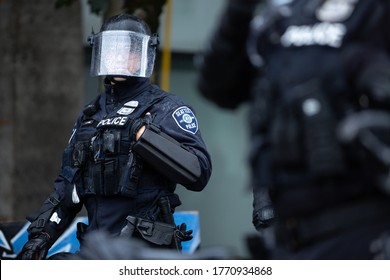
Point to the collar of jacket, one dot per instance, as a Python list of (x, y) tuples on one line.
[(123, 90)]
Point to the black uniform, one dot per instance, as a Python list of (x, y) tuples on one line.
[(305, 66), (128, 150), (98, 174), (102, 171)]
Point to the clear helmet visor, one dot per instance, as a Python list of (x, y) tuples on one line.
[(122, 53)]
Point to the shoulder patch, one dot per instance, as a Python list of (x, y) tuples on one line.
[(185, 119)]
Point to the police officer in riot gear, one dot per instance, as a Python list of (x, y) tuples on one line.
[(312, 70), (129, 149)]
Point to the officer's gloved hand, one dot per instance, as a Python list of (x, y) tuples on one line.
[(263, 217), (139, 126), (183, 234), (36, 248), (264, 212)]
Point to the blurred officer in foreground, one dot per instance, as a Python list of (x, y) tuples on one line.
[(317, 76), (128, 150), (99, 245)]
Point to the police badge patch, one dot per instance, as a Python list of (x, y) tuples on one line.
[(186, 119), (128, 108)]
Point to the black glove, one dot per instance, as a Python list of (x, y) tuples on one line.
[(263, 217), (182, 233), (36, 248), (263, 211), (140, 122)]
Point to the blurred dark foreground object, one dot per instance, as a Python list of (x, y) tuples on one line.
[(100, 245)]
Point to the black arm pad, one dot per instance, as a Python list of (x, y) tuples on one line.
[(168, 156), (40, 220)]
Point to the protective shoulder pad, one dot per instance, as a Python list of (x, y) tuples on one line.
[(168, 156)]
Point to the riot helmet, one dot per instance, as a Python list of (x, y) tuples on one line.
[(124, 47)]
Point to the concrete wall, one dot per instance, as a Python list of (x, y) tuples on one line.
[(42, 83)]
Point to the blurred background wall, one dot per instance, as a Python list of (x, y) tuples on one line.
[(39, 103), (41, 91)]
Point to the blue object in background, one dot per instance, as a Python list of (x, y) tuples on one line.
[(14, 235)]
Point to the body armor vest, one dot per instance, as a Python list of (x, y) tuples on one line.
[(103, 154)]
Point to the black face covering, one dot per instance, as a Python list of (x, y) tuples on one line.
[(128, 81)]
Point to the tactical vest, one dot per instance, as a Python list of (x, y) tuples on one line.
[(102, 150), (298, 117)]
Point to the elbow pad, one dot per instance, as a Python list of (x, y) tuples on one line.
[(168, 156)]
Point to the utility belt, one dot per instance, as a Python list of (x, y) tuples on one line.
[(164, 233), (158, 233), (295, 233)]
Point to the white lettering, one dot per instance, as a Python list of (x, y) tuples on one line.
[(113, 121), (182, 111), (189, 126), (123, 121), (324, 34)]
